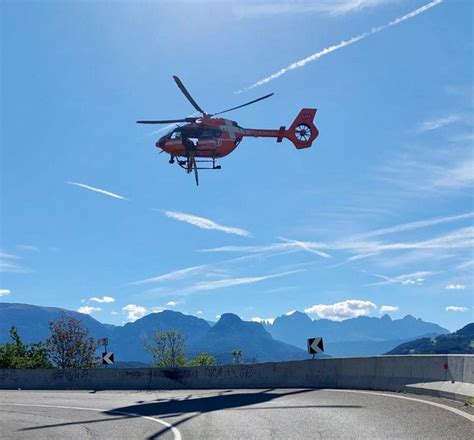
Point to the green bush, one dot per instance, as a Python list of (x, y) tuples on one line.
[(204, 359), (167, 348), (16, 354)]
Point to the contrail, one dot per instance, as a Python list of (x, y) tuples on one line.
[(344, 43), (205, 223), (101, 191)]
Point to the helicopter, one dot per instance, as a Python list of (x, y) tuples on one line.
[(204, 139)]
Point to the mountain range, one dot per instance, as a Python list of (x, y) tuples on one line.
[(361, 336), (226, 335), (285, 339)]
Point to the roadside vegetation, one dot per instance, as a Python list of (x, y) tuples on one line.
[(168, 349), (71, 346), (16, 354)]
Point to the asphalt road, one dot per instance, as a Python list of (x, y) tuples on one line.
[(230, 414)]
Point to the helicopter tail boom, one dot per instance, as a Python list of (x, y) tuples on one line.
[(302, 131)]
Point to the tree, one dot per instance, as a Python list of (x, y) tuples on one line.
[(204, 359), (16, 354), (167, 348), (70, 345), (237, 356)]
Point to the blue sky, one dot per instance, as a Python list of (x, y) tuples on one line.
[(377, 216)]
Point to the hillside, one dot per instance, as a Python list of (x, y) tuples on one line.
[(460, 342), (231, 332), (228, 334), (32, 321)]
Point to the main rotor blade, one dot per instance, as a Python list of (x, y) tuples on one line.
[(187, 94), (243, 105), (167, 121)]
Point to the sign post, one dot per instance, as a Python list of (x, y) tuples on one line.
[(315, 346), (107, 357)]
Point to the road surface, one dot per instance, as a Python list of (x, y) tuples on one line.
[(230, 414)]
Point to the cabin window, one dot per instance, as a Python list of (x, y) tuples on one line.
[(210, 133)]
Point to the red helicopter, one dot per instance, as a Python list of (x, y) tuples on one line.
[(206, 138)]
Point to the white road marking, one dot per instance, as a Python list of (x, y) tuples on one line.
[(427, 402), (175, 431)]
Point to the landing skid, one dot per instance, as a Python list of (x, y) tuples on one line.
[(191, 164)]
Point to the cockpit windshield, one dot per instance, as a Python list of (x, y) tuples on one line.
[(194, 133), (175, 134)]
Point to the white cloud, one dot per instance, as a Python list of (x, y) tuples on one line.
[(455, 287), (462, 238), (4, 292), (456, 309), (415, 278), (257, 9), (466, 265), (289, 245), (101, 191), (385, 309), (175, 275), (205, 223), (88, 309), (218, 316), (114, 313), (262, 320), (171, 303), (459, 239), (438, 123), (134, 312), (104, 299), (28, 247), (416, 225), (199, 312), (339, 7), (458, 176), (8, 264), (301, 63), (351, 308), (307, 246), (426, 169), (230, 282)]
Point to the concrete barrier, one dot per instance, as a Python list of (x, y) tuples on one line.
[(384, 373)]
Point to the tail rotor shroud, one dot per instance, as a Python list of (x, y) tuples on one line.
[(303, 132)]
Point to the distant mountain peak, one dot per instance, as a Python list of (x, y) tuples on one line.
[(386, 317), (229, 321), (295, 315), (229, 317), (410, 318)]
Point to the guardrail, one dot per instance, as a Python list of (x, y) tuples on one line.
[(385, 373)]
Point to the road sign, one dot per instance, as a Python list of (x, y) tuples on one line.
[(108, 358), (315, 345)]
